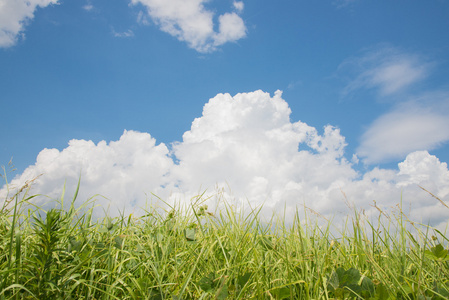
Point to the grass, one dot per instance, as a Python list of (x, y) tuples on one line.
[(187, 252)]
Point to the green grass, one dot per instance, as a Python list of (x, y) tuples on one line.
[(187, 252)]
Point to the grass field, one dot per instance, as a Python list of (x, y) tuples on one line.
[(188, 252)]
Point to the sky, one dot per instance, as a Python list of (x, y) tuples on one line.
[(285, 104)]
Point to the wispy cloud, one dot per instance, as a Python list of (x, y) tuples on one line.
[(88, 6), (407, 128), (413, 123), (14, 15), (294, 84), (142, 18), (124, 34), (386, 69), (343, 3), (191, 22)]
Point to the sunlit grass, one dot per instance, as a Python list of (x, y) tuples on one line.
[(188, 252)]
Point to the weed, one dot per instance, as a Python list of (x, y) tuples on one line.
[(191, 253)]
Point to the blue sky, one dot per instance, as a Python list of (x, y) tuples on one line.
[(375, 71)]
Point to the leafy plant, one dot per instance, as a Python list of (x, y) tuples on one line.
[(343, 284), (188, 252), (437, 253), (214, 285)]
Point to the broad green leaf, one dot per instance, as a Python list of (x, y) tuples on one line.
[(190, 234), (74, 244), (281, 293), (118, 242), (100, 248), (382, 292), (110, 225), (222, 293), (333, 282), (207, 283), (351, 276), (368, 287), (103, 230), (437, 253), (442, 291), (353, 288), (340, 273), (242, 280), (339, 293)]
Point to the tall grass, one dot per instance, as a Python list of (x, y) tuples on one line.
[(187, 252)]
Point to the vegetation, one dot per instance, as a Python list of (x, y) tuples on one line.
[(191, 253)]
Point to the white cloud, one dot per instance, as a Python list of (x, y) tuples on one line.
[(238, 5), (124, 34), (142, 18), (249, 138), (14, 16), (421, 168), (343, 3), (88, 7), (413, 123), (386, 69), (231, 29), (122, 171), (406, 129), (191, 22), (248, 143)]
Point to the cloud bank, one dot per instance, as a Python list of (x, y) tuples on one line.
[(247, 147), (15, 15), (191, 22)]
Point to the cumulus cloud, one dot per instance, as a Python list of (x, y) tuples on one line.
[(121, 171), (14, 16), (191, 22), (246, 147), (249, 139), (386, 69)]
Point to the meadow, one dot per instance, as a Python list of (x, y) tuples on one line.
[(189, 252)]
